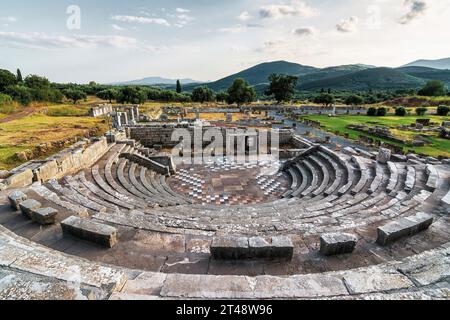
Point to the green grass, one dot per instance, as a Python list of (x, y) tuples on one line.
[(26, 133), (437, 146), (67, 111)]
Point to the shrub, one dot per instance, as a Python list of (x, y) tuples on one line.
[(443, 111), (421, 111), (6, 104), (20, 94), (372, 111), (400, 111), (381, 112)]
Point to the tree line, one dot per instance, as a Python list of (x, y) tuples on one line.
[(13, 87)]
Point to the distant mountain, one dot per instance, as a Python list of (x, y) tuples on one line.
[(373, 78), (151, 81), (427, 73), (331, 72), (436, 64), (259, 74)]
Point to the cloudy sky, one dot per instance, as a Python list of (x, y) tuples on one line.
[(112, 40)]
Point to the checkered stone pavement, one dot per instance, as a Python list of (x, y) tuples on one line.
[(228, 182)]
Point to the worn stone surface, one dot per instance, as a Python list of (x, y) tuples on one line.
[(230, 248), (16, 198), (44, 216), (384, 155), (337, 243), (403, 227), (282, 247), (28, 206), (90, 230), (375, 279)]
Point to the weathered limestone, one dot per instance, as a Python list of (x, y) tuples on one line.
[(90, 230), (44, 216), (337, 243), (16, 198), (230, 248), (384, 155), (240, 248), (28, 206), (403, 227), (282, 247)]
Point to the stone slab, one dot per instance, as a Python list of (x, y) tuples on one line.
[(403, 227), (282, 247), (44, 216), (16, 198), (337, 243), (90, 230), (28, 206), (230, 248)]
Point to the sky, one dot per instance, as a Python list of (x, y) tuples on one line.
[(111, 40)]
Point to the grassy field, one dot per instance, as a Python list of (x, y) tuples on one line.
[(437, 146), (26, 133)]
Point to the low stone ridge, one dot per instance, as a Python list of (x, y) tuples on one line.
[(28, 206), (16, 198), (90, 230), (384, 155), (240, 248), (403, 227), (44, 216), (337, 243)]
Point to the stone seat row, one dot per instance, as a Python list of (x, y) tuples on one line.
[(83, 228)]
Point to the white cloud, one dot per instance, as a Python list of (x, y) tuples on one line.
[(118, 28), (141, 20), (416, 8), (245, 16), (348, 25), (304, 31), (296, 8), (181, 10), (40, 40), (8, 19)]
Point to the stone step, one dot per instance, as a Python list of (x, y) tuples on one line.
[(403, 227), (90, 230)]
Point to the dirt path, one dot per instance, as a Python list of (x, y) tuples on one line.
[(22, 114)]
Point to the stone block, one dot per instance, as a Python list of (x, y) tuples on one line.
[(16, 198), (90, 230), (28, 206), (259, 248), (337, 243), (282, 248), (44, 216), (403, 227), (230, 248), (384, 155)]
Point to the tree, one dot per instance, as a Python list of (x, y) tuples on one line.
[(354, 100), (241, 92), (133, 95), (433, 88), (19, 77), (74, 95), (109, 94), (222, 96), (400, 112), (282, 87), (6, 79), (20, 94), (381, 112), (37, 82), (178, 86), (372, 111), (443, 111), (421, 111), (325, 98), (202, 94)]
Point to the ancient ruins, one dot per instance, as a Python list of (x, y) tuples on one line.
[(130, 216)]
